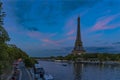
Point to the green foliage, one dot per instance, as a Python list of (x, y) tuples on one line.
[(16, 53), (70, 57), (0, 69), (88, 56), (3, 33), (9, 53), (29, 62), (59, 57), (3, 53), (4, 57)]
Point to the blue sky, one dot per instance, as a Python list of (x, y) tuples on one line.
[(48, 27)]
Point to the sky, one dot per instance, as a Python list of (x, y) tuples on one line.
[(48, 27)]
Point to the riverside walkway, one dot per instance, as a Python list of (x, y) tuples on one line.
[(21, 73), (24, 73)]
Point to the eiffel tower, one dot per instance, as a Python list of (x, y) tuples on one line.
[(78, 48)]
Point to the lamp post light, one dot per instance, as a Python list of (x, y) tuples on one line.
[(0, 33)]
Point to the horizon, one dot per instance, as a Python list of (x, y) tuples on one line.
[(35, 26)]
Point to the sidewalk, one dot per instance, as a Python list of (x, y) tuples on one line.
[(24, 72), (9, 77), (15, 71), (31, 73), (20, 72)]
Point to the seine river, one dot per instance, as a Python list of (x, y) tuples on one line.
[(69, 71)]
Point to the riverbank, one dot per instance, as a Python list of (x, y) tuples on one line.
[(96, 58), (99, 62), (79, 71), (83, 61)]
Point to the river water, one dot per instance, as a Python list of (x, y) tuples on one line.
[(78, 71)]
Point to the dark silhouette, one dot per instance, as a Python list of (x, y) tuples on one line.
[(78, 48)]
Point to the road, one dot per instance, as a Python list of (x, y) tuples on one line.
[(24, 74)]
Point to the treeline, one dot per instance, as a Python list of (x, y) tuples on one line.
[(94, 56), (87, 56), (9, 53)]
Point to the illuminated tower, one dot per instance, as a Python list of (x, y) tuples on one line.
[(78, 48)]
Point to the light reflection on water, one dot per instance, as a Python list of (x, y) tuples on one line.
[(79, 71)]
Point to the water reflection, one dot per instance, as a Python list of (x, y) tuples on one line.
[(96, 72), (78, 71)]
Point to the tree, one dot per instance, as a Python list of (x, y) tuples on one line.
[(3, 33), (29, 62), (9, 53)]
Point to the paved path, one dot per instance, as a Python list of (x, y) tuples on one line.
[(24, 73)]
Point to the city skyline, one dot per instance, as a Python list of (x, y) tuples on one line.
[(35, 26)]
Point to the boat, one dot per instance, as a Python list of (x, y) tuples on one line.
[(48, 77), (40, 74), (39, 71), (64, 64)]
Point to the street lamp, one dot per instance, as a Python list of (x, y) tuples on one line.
[(0, 33)]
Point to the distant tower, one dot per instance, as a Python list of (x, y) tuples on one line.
[(78, 48)]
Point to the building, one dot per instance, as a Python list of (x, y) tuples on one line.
[(78, 47)]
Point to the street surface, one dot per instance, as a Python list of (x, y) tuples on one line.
[(24, 74)]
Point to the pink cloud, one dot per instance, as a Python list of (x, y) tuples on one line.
[(70, 32), (48, 41), (71, 38), (51, 34), (44, 37), (103, 23), (71, 26), (66, 39), (98, 35), (71, 22), (51, 42), (34, 34)]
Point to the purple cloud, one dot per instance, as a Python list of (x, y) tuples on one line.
[(103, 23)]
